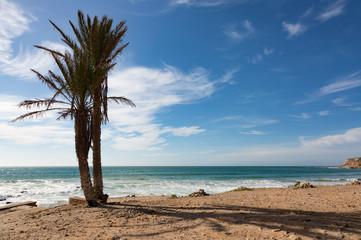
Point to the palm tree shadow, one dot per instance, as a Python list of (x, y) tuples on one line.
[(222, 218)]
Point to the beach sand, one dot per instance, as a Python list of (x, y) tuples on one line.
[(324, 212)]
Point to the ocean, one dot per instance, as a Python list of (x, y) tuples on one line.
[(52, 186)]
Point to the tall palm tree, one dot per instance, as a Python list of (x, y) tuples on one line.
[(72, 98), (103, 44)]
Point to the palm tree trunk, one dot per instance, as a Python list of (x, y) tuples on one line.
[(82, 145), (96, 137)]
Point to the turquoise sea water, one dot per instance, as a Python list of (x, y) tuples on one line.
[(53, 185)]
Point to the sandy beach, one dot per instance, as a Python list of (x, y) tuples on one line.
[(324, 212)]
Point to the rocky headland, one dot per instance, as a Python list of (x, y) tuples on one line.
[(352, 163)]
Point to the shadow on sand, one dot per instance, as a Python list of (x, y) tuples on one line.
[(223, 218)]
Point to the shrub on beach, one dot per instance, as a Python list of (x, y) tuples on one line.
[(242, 189), (303, 185)]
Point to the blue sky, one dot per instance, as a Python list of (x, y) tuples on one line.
[(216, 82)]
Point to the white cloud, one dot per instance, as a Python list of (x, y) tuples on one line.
[(48, 133), (350, 136), (256, 59), (268, 51), (14, 21), (206, 152), (152, 90), (324, 113), (37, 59), (205, 3), (253, 132), (8, 107), (183, 131), (329, 150), (38, 131), (294, 29), (356, 109), (228, 76), (307, 13), (240, 31), (346, 83), (182, 2), (340, 101), (335, 9), (160, 154), (342, 85), (301, 116), (259, 56), (247, 121)]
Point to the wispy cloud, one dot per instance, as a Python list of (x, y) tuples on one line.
[(351, 81), (346, 83), (15, 21), (350, 136), (206, 152), (48, 131), (356, 109), (341, 101), (247, 121), (229, 75), (324, 113), (153, 90), (183, 131), (328, 150), (307, 13), (256, 59), (182, 2), (301, 116), (253, 132), (160, 154), (268, 51), (260, 56), (206, 3), (240, 31), (295, 29), (311, 18), (20, 65), (333, 10)]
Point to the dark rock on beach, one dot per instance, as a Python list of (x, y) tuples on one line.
[(200, 193), (354, 183)]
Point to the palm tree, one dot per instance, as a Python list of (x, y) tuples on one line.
[(103, 44), (72, 98)]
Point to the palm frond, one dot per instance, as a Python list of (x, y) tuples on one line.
[(122, 100), (49, 50), (66, 39), (34, 114), (37, 103)]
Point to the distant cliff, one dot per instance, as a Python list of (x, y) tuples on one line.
[(352, 163)]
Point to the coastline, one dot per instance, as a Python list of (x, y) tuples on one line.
[(324, 212), (53, 186)]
